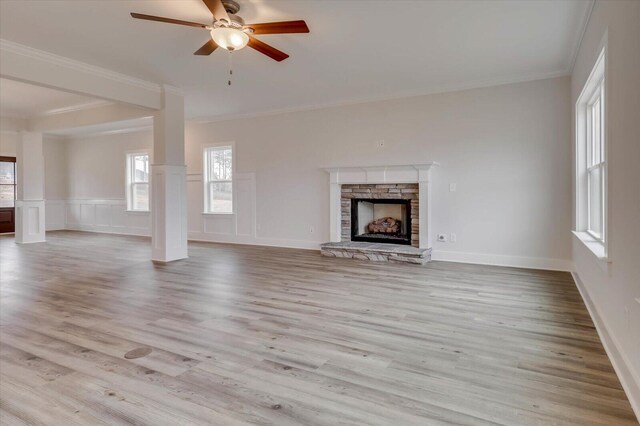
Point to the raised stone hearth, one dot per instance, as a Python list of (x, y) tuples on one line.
[(377, 252)]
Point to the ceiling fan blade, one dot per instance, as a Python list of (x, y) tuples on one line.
[(284, 27), (167, 20), (207, 48), (217, 9), (264, 48)]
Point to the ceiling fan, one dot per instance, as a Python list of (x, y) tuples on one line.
[(229, 31)]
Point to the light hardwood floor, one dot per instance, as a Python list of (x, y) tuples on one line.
[(244, 334)]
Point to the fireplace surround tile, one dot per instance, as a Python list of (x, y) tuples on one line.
[(393, 191)]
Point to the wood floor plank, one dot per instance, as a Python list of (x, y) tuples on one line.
[(261, 335)]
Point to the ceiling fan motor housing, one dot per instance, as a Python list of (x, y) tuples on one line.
[(231, 6), (236, 21)]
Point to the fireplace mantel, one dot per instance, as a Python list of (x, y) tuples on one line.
[(407, 173)]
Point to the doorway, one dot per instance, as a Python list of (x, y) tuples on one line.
[(7, 194)]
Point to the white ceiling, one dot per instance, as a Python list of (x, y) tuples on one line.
[(357, 50), (23, 100)]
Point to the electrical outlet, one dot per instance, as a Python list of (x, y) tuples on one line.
[(452, 187), (452, 238), (311, 229), (442, 238)]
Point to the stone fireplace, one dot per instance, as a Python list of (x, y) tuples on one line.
[(381, 213), (393, 206)]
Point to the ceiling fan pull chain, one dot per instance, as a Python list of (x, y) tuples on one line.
[(230, 68)]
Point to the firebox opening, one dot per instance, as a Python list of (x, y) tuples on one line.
[(381, 221)]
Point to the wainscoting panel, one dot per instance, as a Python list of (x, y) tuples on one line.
[(245, 205), (103, 215), (54, 214), (220, 224), (72, 216), (87, 214), (118, 216), (238, 227), (109, 216), (139, 221), (195, 203)]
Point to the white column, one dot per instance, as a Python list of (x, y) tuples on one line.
[(335, 212), (425, 233), (30, 192), (169, 180)]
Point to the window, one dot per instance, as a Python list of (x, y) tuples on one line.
[(595, 164), (138, 181), (7, 182), (591, 161), (218, 179)]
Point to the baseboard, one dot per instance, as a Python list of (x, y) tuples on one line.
[(253, 241), (630, 383), (502, 260), (105, 230), (295, 244)]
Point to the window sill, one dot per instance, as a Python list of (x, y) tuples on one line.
[(217, 214), (595, 246), (138, 211)]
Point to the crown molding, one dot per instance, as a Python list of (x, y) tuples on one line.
[(75, 108), (172, 90), (481, 84), (131, 129), (98, 133), (20, 49), (62, 110), (583, 29)]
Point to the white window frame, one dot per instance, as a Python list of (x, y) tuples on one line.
[(129, 173), (206, 181), (588, 162), (596, 161)]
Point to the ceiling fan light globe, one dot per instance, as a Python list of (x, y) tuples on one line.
[(229, 38)]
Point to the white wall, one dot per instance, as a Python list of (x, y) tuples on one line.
[(507, 148), (96, 164), (96, 184), (609, 289), (8, 141), (55, 169), (55, 183)]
